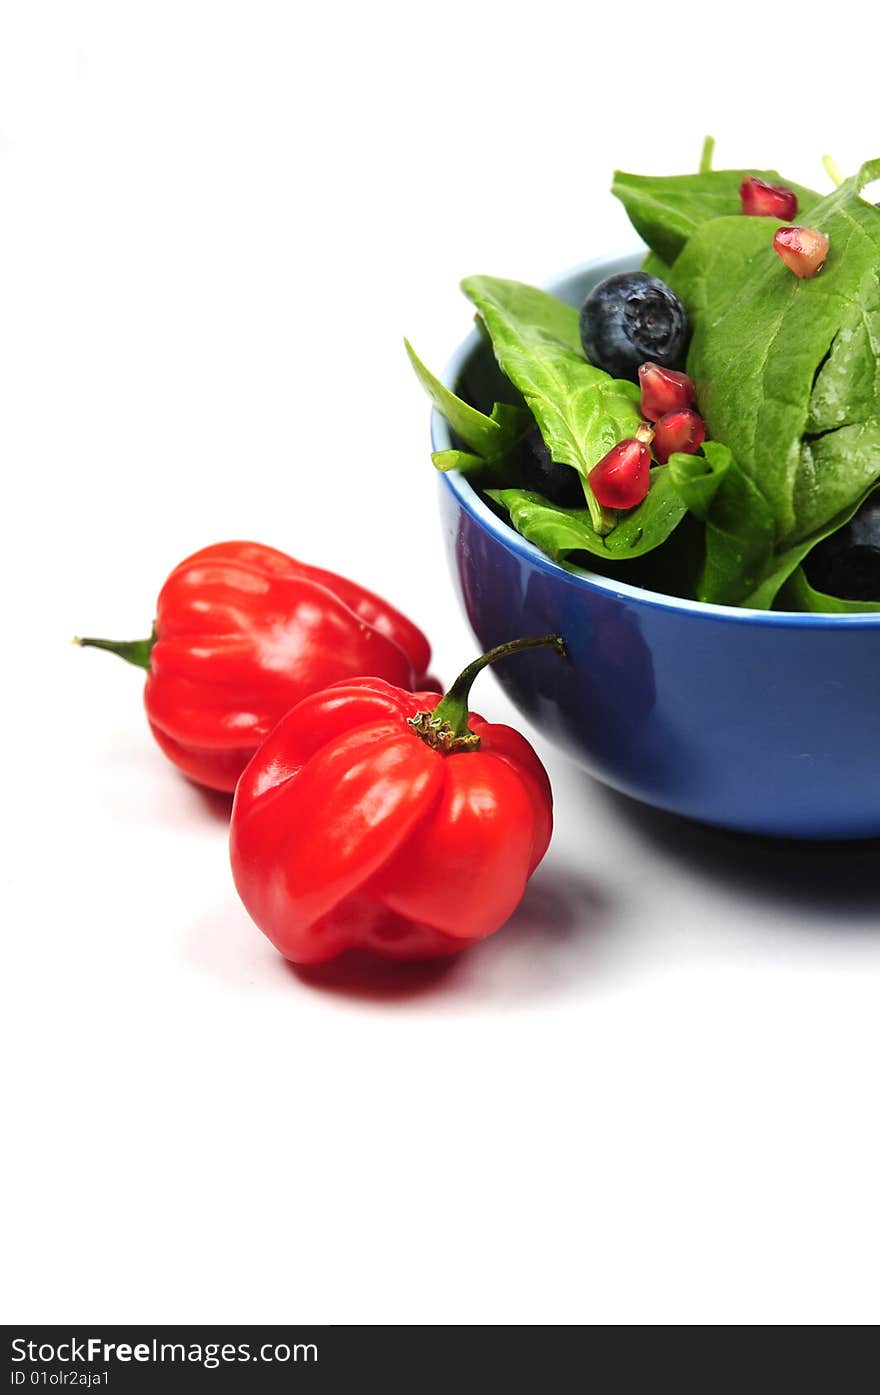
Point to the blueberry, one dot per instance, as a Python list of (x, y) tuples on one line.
[(630, 319), (541, 473), (848, 563)]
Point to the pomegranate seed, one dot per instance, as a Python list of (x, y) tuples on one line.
[(622, 478), (802, 249), (681, 430), (762, 200), (663, 390)]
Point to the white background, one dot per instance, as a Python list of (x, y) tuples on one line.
[(654, 1096)]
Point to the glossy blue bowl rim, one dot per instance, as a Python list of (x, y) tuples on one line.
[(470, 501)]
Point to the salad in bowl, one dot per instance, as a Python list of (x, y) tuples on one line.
[(708, 425)]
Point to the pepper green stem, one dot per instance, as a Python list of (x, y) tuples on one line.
[(706, 155), (446, 728), (133, 651)]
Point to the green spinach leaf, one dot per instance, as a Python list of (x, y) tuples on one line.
[(560, 532), (798, 594), (739, 525), (772, 357), (743, 565), (491, 440), (655, 266), (581, 411), (666, 210)]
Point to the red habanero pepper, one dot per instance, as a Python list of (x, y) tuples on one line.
[(243, 633), (397, 822)]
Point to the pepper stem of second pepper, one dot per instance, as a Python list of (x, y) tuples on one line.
[(134, 651), (446, 727)]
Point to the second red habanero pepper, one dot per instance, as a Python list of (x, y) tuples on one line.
[(396, 822), (242, 634)]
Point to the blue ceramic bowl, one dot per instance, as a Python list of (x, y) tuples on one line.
[(767, 722)]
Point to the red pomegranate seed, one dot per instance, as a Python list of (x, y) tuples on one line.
[(802, 249), (663, 390), (682, 430), (622, 478), (762, 200)]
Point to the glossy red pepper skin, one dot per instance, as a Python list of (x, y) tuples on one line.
[(349, 831), (242, 634)]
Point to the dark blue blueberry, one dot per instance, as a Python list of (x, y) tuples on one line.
[(541, 473), (630, 319), (848, 563)]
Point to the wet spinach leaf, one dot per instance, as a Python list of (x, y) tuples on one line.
[(772, 357), (743, 565), (798, 594), (491, 441), (666, 210), (560, 532), (582, 412)]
